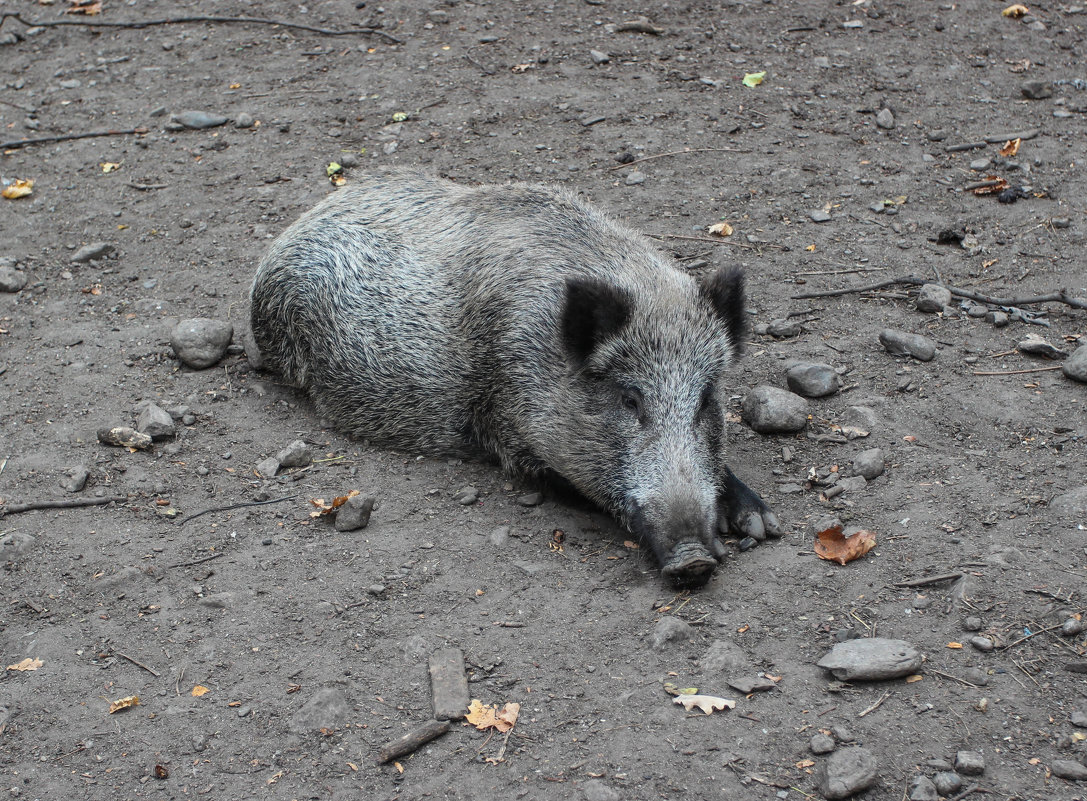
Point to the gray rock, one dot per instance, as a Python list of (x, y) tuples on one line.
[(448, 684), (1071, 627), (973, 624), (923, 790), (268, 467), (947, 782), (869, 463), (95, 250), (885, 119), (852, 484), (1071, 504), (1076, 366), (999, 319), (120, 580), (1068, 769), (822, 744), (1037, 90), (377, 590), (14, 545), (771, 410), (983, 644), (969, 763), (530, 499), (813, 379), (201, 342), (156, 422), (297, 454), (466, 496), (219, 600), (900, 343), (596, 790), (841, 733), (871, 659), (244, 120), (980, 164), (634, 178), (784, 329), (598, 57), (1079, 718), (819, 216), (529, 568), (976, 310), (670, 629), (1035, 345), (751, 684), (327, 709), (75, 479), (723, 656), (847, 772), (354, 513), (11, 280), (933, 298), (499, 536), (199, 119)]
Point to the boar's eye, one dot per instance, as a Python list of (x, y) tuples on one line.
[(632, 401)]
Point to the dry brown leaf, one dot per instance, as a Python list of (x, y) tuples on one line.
[(1011, 147), (88, 7), (721, 229), (491, 717), (707, 703), (18, 188), (1000, 185), (124, 703), (27, 664), (955, 645), (162, 772), (199, 690), (805, 763), (110, 166), (1015, 11), (327, 508), (832, 545), (517, 69), (913, 678)]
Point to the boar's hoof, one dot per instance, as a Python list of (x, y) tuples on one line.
[(690, 564)]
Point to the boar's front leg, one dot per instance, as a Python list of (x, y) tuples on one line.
[(741, 510)]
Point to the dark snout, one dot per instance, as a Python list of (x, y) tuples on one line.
[(678, 537)]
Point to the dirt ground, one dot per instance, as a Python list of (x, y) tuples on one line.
[(312, 643)]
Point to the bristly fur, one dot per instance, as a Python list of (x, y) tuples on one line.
[(513, 320)]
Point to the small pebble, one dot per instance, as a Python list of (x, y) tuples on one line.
[(670, 629), (75, 479), (466, 496), (500, 535), (11, 280), (973, 624), (95, 250), (198, 119), (1069, 769), (1037, 90), (969, 763), (821, 744), (1079, 718), (784, 329), (748, 684), (244, 120), (598, 57), (634, 178), (885, 119), (156, 422), (980, 164), (901, 343), (982, 643), (841, 733), (871, 659), (530, 499), (923, 789), (813, 380), (268, 467), (819, 216), (354, 513), (1071, 627), (297, 454), (999, 319), (771, 410), (124, 437), (1036, 345), (375, 589)]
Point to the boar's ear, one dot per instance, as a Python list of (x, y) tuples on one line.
[(594, 311), (725, 292)]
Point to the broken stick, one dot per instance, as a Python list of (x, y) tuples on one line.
[(413, 740)]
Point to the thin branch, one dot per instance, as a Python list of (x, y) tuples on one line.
[(237, 506), (45, 140), (137, 663), (66, 503), (679, 153), (1032, 634), (200, 18), (1060, 296), (924, 582), (195, 562), (1017, 372)]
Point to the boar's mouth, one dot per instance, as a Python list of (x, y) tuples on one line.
[(686, 564)]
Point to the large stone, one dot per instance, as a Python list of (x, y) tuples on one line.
[(297, 454), (813, 379), (14, 545), (156, 422), (869, 463), (871, 659), (670, 629), (1075, 367), (327, 710), (969, 763), (772, 410), (201, 342), (354, 513), (901, 343), (847, 772), (11, 280), (1069, 769), (933, 298)]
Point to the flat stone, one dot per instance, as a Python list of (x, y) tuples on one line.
[(1072, 503), (813, 379), (1035, 345), (723, 656), (923, 789), (155, 422), (75, 479), (847, 772), (871, 659), (296, 454), (634, 178), (530, 499), (969, 763), (751, 684), (499, 536), (771, 410), (999, 319), (822, 744), (95, 250), (973, 623), (14, 545), (448, 684), (244, 120), (466, 496), (201, 342), (852, 484), (268, 467), (326, 710), (1075, 367), (354, 513), (596, 790), (869, 463), (219, 600), (1037, 90), (947, 782), (11, 280), (784, 329), (123, 578), (983, 644), (901, 343), (670, 629), (198, 120), (819, 216), (599, 57), (124, 437), (980, 164), (1079, 718), (885, 119), (933, 298), (1068, 769)]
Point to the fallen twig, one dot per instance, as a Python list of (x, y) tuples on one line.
[(197, 561), (201, 18), (953, 678), (973, 788), (1017, 372), (66, 503), (875, 706), (413, 740), (45, 140), (236, 506), (679, 153), (152, 671), (1060, 296), (1032, 634), (927, 580), (146, 187)]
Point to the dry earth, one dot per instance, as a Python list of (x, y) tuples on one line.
[(313, 643)]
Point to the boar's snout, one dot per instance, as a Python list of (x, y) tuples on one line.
[(678, 539)]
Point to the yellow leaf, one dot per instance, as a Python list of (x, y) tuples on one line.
[(337, 179), (333, 168), (19, 188), (399, 767), (110, 166), (707, 703), (805, 763), (810, 248), (955, 645), (490, 717), (753, 79), (124, 703), (353, 766), (913, 678), (1078, 737), (235, 86), (400, 116), (27, 664), (720, 229), (1015, 11), (327, 508), (199, 690)]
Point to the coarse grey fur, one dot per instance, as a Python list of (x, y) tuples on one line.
[(520, 322)]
